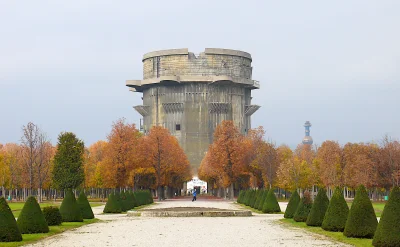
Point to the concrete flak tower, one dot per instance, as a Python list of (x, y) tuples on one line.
[(191, 94), (307, 139)]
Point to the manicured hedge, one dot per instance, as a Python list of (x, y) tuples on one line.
[(303, 209), (254, 198), (361, 222), (258, 199), (113, 205), (9, 231), (52, 216), (271, 204), (336, 214), (84, 206), (31, 218), (292, 205), (69, 209), (241, 195), (388, 230), (263, 197), (318, 209)]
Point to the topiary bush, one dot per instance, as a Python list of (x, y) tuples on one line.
[(9, 231), (388, 230), (361, 222), (254, 198), (84, 206), (258, 200), (135, 202), (303, 209), (271, 204), (250, 197), (52, 216), (240, 197), (113, 206), (31, 218), (292, 205), (263, 197), (318, 209), (246, 197), (69, 209), (124, 202), (130, 202), (336, 214)]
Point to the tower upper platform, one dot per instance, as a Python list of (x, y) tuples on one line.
[(214, 65)]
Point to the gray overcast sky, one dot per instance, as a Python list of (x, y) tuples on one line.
[(63, 65)]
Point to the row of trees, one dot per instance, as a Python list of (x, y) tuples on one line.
[(125, 159), (236, 161)]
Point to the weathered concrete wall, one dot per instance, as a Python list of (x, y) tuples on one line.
[(192, 110)]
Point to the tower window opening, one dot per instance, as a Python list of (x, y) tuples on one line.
[(178, 127)]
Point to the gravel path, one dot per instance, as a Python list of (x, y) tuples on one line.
[(119, 230)]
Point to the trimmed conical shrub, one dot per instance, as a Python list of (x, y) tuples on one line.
[(361, 222), (69, 209), (258, 200), (263, 197), (246, 197), (318, 209), (292, 205), (388, 230), (129, 200), (9, 231), (31, 218), (336, 214), (240, 197), (271, 204), (86, 209), (303, 209), (113, 205), (124, 202), (254, 198), (134, 199)]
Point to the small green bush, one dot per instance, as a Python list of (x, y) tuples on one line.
[(303, 209), (318, 209), (271, 204), (124, 202), (69, 209), (246, 197), (250, 197), (388, 230), (336, 214), (240, 197), (113, 205), (263, 197), (9, 231), (84, 206), (52, 216), (143, 197), (259, 196), (292, 205), (254, 198), (135, 202), (130, 202), (361, 222), (31, 218)]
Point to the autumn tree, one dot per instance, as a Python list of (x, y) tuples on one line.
[(68, 162), (329, 157), (160, 151), (120, 153), (390, 158), (43, 163), (94, 157)]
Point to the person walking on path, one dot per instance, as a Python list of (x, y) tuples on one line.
[(194, 195)]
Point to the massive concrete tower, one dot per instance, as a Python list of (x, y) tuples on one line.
[(191, 94)]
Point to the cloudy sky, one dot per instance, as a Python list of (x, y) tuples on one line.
[(63, 64)]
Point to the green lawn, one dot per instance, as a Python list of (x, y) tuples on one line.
[(337, 236), (378, 207), (30, 238)]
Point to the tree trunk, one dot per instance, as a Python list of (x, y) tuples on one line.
[(231, 192), (160, 193)]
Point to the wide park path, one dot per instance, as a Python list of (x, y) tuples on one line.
[(120, 230)]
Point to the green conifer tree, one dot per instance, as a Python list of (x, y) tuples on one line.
[(318, 209), (9, 231), (69, 209), (292, 205), (271, 204), (84, 205), (336, 214), (361, 222), (263, 197), (113, 205), (304, 208), (31, 218), (388, 231)]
